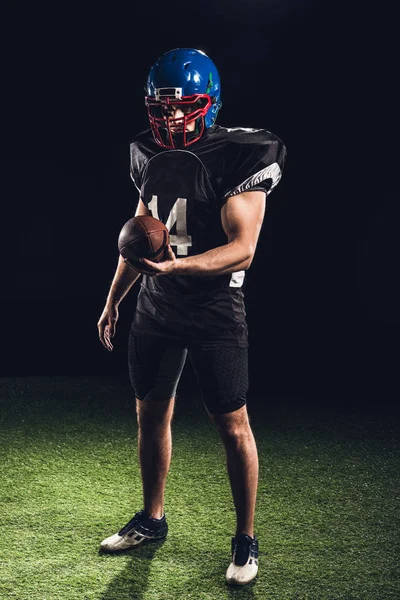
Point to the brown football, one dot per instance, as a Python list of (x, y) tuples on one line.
[(143, 237)]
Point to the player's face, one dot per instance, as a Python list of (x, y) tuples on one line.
[(178, 112), (177, 122)]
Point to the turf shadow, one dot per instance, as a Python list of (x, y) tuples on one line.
[(132, 582), (237, 592)]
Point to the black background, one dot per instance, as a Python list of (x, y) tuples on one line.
[(322, 294)]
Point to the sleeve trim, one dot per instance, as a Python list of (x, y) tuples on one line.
[(271, 172)]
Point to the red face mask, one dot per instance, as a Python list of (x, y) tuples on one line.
[(170, 132)]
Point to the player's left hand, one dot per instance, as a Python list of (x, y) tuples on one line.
[(167, 267)]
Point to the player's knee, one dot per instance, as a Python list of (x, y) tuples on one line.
[(233, 426), (225, 408), (152, 414)]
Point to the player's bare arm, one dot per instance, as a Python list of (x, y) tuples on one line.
[(124, 278), (242, 217)]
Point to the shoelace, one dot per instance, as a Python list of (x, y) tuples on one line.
[(241, 547), (138, 517)]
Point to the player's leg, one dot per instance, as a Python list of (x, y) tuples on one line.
[(155, 366), (242, 464), (222, 374), (154, 447)]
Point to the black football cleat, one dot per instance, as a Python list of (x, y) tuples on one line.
[(140, 529), (244, 565)]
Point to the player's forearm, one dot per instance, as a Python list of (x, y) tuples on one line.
[(124, 279), (232, 257)]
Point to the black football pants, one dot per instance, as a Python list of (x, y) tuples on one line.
[(156, 363)]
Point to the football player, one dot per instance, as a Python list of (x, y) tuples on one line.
[(208, 184)]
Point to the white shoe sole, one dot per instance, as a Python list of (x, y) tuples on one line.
[(117, 542), (241, 575)]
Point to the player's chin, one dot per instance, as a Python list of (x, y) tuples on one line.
[(177, 131)]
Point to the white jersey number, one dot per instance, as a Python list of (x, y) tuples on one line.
[(177, 215), (182, 240)]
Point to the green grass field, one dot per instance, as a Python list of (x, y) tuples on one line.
[(327, 514)]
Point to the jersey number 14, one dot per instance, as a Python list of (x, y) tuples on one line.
[(177, 217), (182, 240)]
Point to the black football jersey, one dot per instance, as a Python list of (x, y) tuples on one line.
[(186, 189)]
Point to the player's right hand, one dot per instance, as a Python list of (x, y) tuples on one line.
[(107, 325)]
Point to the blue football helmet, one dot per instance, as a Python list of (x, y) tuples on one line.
[(188, 79)]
